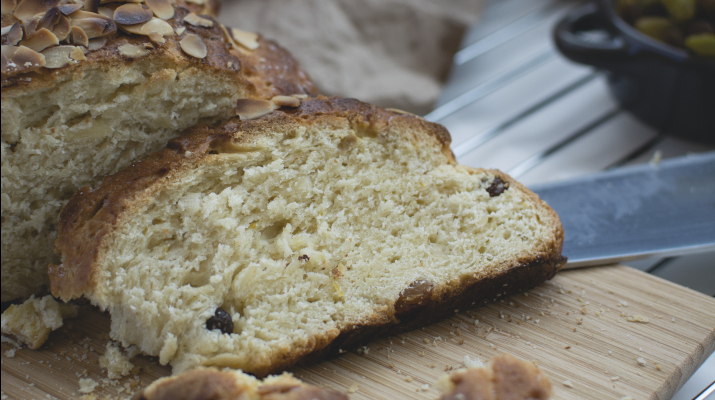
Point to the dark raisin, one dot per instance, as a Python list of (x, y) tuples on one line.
[(221, 321), (304, 257), (414, 298), (497, 187)]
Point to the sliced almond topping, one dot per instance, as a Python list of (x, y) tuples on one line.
[(132, 14), (29, 8), (153, 25), (180, 30), (254, 108), (30, 25), (106, 11), (79, 37), (196, 1), (67, 9), (92, 6), (62, 28), (58, 56), (156, 37), (162, 8), (228, 35), (119, 1), (193, 46), (93, 24), (51, 17), (195, 20), (77, 54), (286, 101), (40, 40), (8, 6), (403, 112), (14, 33), (246, 39), (96, 43), (300, 96), (132, 51), (20, 58)]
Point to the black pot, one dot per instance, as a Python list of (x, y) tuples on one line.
[(664, 86)]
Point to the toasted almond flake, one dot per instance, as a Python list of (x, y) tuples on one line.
[(119, 1), (246, 39), (132, 14), (93, 24), (300, 96), (254, 108), (29, 8), (14, 33), (58, 56), (96, 43), (353, 388), (6, 29), (92, 6), (132, 51), (199, 2), (20, 58), (286, 101), (51, 17), (156, 37), (62, 28), (106, 11), (161, 8), (78, 36), (180, 30), (41, 40), (8, 6), (398, 111), (228, 35), (193, 46), (67, 9), (30, 25), (153, 25), (195, 20), (77, 54)]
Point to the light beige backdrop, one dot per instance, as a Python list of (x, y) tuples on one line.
[(393, 53)]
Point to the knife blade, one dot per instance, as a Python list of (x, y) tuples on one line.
[(628, 213)]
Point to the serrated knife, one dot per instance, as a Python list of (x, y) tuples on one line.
[(649, 210)]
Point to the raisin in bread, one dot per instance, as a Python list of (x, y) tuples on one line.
[(262, 242), (504, 378), (214, 384), (86, 90)]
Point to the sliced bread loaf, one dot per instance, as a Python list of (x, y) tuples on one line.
[(87, 90), (261, 242)]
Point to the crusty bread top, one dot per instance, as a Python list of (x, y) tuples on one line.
[(264, 65), (92, 212)]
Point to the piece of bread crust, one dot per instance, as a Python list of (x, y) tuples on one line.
[(505, 378), (91, 217), (214, 384), (54, 126)]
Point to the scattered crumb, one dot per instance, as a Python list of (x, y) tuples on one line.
[(470, 362), (567, 347), (10, 353), (626, 398), (408, 378), (116, 364), (353, 388), (568, 383), (615, 378), (425, 387), (641, 361), (87, 385), (638, 318)]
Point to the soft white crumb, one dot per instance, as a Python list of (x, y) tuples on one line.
[(568, 383)]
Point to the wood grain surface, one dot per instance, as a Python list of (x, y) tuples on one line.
[(576, 327)]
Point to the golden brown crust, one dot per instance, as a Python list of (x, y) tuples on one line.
[(269, 70), (92, 214), (212, 384), (507, 378)]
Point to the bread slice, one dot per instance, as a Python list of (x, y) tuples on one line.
[(88, 113), (259, 243), (214, 384)]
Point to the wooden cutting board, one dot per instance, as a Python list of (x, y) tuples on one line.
[(575, 326)]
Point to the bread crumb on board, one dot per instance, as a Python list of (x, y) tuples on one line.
[(641, 361), (114, 361), (353, 388), (568, 383), (638, 318), (87, 385)]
